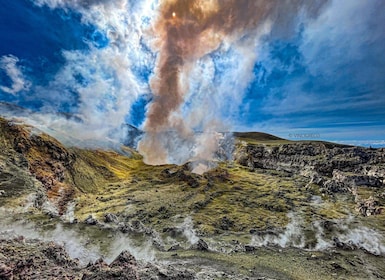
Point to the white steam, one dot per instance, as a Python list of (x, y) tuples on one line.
[(87, 244), (345, 231), (75, 245), (365, 238), (188, 230), (292, 236)]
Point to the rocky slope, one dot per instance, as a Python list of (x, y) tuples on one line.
[(33, 259), (334, 168), (279, 210)]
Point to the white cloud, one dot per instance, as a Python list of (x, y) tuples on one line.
[(340, 39), (8, 64), (103, 79)]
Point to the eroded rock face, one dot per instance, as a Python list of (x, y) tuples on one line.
[(333, 166), (41, 156)]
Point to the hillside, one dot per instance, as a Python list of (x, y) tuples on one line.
[(316, 204), (257, 136)]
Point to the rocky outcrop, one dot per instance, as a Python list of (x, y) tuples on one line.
[(32, 259), (335, 167), (43, 157), (124, 267), (32, 162), (369, 207)]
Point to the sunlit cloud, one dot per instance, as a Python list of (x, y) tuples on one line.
[(8, 64)]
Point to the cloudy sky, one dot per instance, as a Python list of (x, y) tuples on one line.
[(297, 69)]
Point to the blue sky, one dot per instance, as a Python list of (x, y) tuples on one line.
[(328, 79), (324, 77)]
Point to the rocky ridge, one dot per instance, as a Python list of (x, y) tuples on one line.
[(335, 168)]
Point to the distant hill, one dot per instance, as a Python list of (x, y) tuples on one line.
[(259, 136)]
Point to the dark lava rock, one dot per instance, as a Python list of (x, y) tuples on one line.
[(124, 259), (369, 207), (337, 267), (99, 265), (202, 245), (173, 232), (124, 267), (177, 276), (249, 248), (24, 259), (91, 220), (57, 254), (226, 223), (328, 226), (344, 246), (333, 186), (253, 231), (174, 248), (110, 218), (32, 259)]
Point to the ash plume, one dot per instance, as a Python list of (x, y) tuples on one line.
[(192, 60), (188, 32)]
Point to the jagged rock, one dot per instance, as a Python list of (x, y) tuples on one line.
[(328, 226), (369, 207), (357, 179), (202, 245), (32, 259), (249, 248), (110, 218), (226, 223), (90, 220), (317, 179), (342, 245), (124, 259), (98, 266), (172, 231), (333, 186), (331, 166), (122, 227), (174, 248), (124, 267), (57, 254), (337, 266)]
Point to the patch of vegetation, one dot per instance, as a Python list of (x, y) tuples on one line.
[(260, 138)]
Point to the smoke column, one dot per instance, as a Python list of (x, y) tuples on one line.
[(187, 31), (192, 60)]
